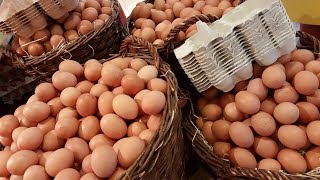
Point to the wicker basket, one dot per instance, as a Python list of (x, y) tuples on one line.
[(96, 45), (163, 157), (222, 167)]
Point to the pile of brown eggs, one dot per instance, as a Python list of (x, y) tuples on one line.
[(92, 121), (270, 121), (88, 16), (153, 22)]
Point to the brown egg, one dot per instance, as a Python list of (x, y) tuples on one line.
[(292, 136), (284, 59), (292, 68), (113, 126), (136, 128), (147, 135), (226, 98), (68, 173), (56, 29), (315, 98), (286, 113), (211, 112), (220, 129), (241, 157), (232, 113), (58, 160), (257, 87), (8, 124), (36, 172), (72, 67), (144, 11), (306, 82), (302, 55), (89, 176), (4, 157), (268, 106), (129, 71), (97, 23), (66, 127), (132, 84), (87, 105), (313, 158), (273, 77), (89, 127), (86, 164), (170, 15), (286, 94), (111, 75), (158, 16), (153, 102), (104, 161), (207, 132), (177, 8), (221, 148), (79, 147), (227, 10), (241, 134), (41, 35), (6, 141), (265, 147), (214, 11), (69, 96), (52, 142), (308, 112), (62, 80), (30, 138), (184, 13), (24, 42), (138, 23), (118, 174), (92, 71), (135, 13), (20, 161), (224, 5), (17, 132), (130, 150), (85, 27), (67, 112), (313, 66), (313, 133), (159, 4), (263, 124), (105, 103), (122, 63), (269, 164), (148, 23), (36, 111), (241, 86), (19, 110), (247, 102), (154, 121), (84, 86), (157, 84), (43, 158), (89, 14), (36, 49), (210, 93), (47, 125), (106, 10), (57, 41), (292, 161), (214, 3), (99, 140), (45, 92), (125, 107)]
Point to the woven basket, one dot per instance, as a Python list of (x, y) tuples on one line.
[(96, 45), (163, 157), (222, 167)]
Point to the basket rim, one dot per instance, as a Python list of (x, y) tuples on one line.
[(222, 167)]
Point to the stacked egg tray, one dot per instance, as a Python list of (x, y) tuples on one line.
[(229, 46), (29, 18)]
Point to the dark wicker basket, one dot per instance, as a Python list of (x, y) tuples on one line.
[(96, 45), (221, 167), (163, 157)]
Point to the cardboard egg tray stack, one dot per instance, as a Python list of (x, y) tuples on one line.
[(25, 17), (221, 54)]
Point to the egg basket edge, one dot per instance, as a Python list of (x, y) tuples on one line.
[(163, 157), (96, 45), (221, 167)]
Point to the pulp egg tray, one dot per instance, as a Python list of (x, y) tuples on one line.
[(221, 54)]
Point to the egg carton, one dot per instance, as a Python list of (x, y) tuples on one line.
[(260, 32), (58, 8)]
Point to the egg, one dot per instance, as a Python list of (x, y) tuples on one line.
[(86, 164), (6, 141), (286, 113), (35, 172), (177, 8), (35, 49), (4, 157), (268, 106), (157, 84), (313, 66), (154, 121), (158, 42), (24, 42), (262, 143), (153, 102), (313, 133), (137, 64), (247, 102), (241, 134), (106, 10), (99, 140), (263, 124), (43, 158), (306, 82), (269, 164), (125, 107), (147, 135), (313, 158), (92, 72), (36, 111), (62, 80), (89, 127), (112, 75), (241, 157), (56, 29), (292, 136), (221, 148), (129, 71), (52, 142), (257, 87), (132, 84), (93, 3), (292, 161), (227, 10), (207, 132), (58, 160), (118, 174), (158, 16), (104, 161), (185, 12), (89, 176), (302, 55), (159, 4), (214, 3), (68, 173), (85, 27), (79, 147), (8, 124), (130, 150), (20, 161), (232, 113), (105, 103), (47, 125), (97, 23), (16, 177), (45, 92), (286, 94), (106, 3), (30, 138), (72, 67), (220, 129), (214, 11), (67, 112), (41, 35), (87, 105), (308, 112), (113, 126), (224, 5), (314, 98), (66, 127), (170, 15), (136, 128), (273, 77), (200, 122), (84, 86)]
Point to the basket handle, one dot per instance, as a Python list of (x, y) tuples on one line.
[(129, 40), (186, 24)]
